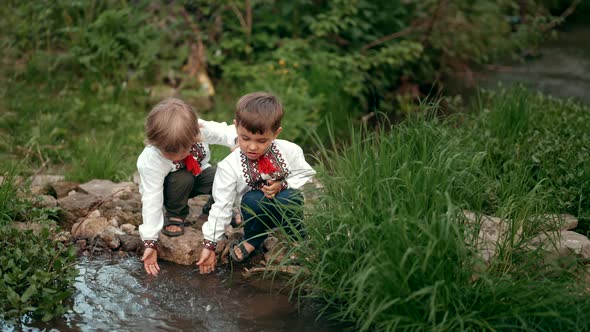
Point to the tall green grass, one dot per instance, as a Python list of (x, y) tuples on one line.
[(388, 248), (91, 130)]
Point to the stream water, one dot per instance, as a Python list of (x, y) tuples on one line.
[(561, 69), (115, 294)]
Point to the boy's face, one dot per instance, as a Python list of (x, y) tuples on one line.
[(255, 145), (177, 156)]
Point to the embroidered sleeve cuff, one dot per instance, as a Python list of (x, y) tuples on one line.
[(210, 245), (153, 244), (284, 185)]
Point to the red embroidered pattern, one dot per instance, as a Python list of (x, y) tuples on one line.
[(251, 168), (198, 151)]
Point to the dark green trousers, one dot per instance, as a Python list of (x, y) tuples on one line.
[(181, 185)]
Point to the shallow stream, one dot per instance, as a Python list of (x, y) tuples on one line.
[(115, 294)]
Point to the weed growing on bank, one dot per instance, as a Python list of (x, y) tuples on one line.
[(389, 248)]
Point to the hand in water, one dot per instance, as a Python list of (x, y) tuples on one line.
[(150, 261), (207, 261)]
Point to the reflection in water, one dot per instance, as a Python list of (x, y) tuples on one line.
[(116, 294)]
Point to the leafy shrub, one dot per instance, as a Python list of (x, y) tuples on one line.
[(36, 273), (107, 39), (118, 40), (302, 109)]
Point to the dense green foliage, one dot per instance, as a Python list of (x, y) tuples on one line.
[(80, 75), (36, 273), (389, 248)]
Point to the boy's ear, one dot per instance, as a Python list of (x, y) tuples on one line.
[(235, 124), (276, 134)]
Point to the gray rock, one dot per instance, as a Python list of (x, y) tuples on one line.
[(45, 201), (562, 243), (130, 243), (103, 188), (127, 228), (276, 254), (492, 233), (63, 188), (66, 219), (115, 230), (90, 227), (114, 222), (124, 206), (63, 236), (184, 249), (270, 242), (78, 204), (40, 184), (110, 239)]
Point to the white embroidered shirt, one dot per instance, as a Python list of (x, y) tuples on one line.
[(236, 175)]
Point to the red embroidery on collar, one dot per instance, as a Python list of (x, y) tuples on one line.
[(253, 172)]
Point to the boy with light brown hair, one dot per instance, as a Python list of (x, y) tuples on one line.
[(264, 176), (173, 167)]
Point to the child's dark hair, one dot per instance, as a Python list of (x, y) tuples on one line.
[(259, 112), (172, 125)]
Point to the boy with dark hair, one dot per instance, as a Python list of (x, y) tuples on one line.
[(263, 175)]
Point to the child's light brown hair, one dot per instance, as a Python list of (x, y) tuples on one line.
[(172, 125), (259, 112)]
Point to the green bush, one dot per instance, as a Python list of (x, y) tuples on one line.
[(106, 39), (36, 273)]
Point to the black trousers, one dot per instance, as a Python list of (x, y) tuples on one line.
[(181, 185)]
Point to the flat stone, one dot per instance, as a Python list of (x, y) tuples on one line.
[(45, 201), (63, 188), (127, 228), (78, 203), (562, 243), (90, 227), (184, 249), (103, 188), (41, 183)]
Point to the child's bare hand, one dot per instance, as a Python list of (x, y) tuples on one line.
[(150, 261), (271, 189), (207, 261)]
